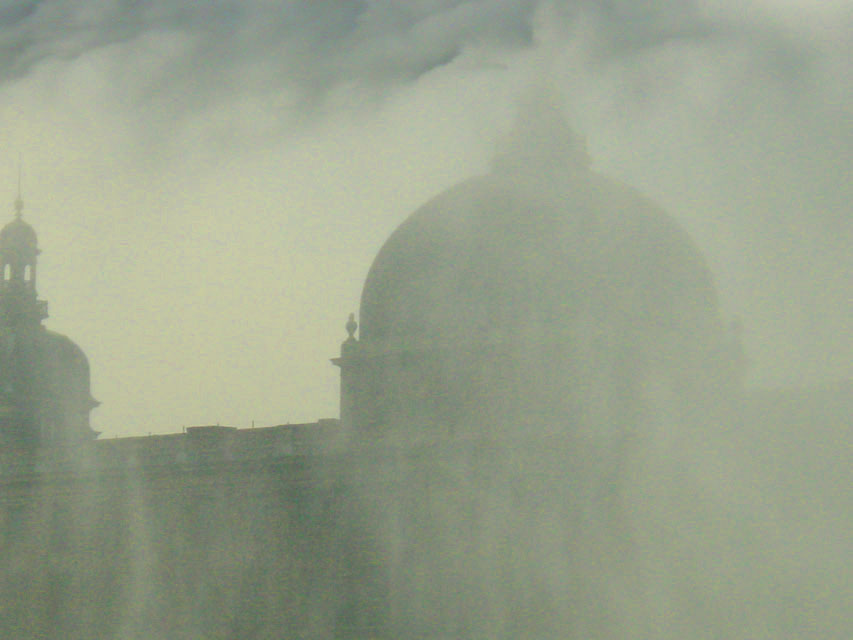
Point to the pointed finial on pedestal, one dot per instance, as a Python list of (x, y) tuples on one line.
[(352, 327)]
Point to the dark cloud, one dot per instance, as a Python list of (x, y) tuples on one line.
[(12, 13), (314, 46)]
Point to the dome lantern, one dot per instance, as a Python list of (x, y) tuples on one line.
[(18, 266)]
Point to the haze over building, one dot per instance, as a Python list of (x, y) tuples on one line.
[(541, 379), (159, 142)]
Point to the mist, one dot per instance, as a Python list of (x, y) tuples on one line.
[(160, 141), (211, 185)]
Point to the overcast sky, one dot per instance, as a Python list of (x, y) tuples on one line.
[(210, 181)]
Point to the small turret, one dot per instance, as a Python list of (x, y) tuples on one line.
[(44, 376), (19, 252)]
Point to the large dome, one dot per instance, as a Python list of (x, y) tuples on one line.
[(541, 292), (507, 249)]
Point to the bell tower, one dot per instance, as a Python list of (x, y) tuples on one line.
[(44, 377), (19, 303)]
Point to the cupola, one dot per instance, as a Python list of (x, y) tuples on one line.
[(18, 263)]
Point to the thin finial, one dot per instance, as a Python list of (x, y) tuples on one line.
[(19, 201)]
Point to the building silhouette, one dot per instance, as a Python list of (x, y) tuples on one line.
[(523, 338), (44, 376)]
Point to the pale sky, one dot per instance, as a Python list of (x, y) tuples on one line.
[(211, 181)]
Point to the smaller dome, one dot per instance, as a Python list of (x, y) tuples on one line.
[(18, 234)]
